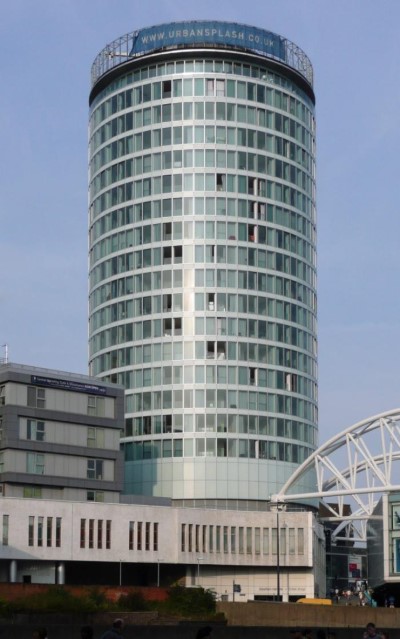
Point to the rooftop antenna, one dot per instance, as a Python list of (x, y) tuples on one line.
[(4, 360)]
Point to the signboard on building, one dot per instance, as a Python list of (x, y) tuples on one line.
[(355, 567), (396, 516), (68, 385), (208, 32), (396, 555)]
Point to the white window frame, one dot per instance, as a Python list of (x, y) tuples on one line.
[(95, 469), (35, 430)]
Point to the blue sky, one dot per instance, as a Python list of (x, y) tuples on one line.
[(46, 50)]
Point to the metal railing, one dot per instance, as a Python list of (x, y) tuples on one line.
[(121, 49)]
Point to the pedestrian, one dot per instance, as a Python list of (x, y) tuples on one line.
[(115, 631), (384, 635), (370, 631), (39, 633), (86, 632), (203, 632)]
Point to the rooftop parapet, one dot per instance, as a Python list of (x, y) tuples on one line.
[(204, 33)]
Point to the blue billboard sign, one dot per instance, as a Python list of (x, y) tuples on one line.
[(209, 33), (68, 385)]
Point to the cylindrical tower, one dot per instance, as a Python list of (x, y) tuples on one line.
[(202, 257)]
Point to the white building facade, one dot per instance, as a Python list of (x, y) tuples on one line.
[(49, 541)]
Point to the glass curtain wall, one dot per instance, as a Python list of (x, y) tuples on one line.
[(202, 279)]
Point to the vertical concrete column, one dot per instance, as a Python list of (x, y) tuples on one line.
[(60, 573), (13, 571)]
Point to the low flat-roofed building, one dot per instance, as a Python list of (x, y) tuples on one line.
[(146, 544)]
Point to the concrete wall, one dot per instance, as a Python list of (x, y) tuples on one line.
[(307, 615), (148, 626)]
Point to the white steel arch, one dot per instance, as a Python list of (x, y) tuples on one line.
[(371, 450)]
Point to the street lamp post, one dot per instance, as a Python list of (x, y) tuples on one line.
[(278, 561), (286, 552), (199, 559), (158, 572), (278, 506)]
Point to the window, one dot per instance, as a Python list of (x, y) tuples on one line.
[(265, 541), (233, 539), (2, 395), (95, 437), (241, 540), (197, 538), (36, 397), (147, 536), (35, 463), (225, 539), (221, 182), (167, 303), (95, 406), (249, 535), (49, 531), (91, 533), (94, 469), (58, 532), (131, 535), (95, 495), (155, 536), (166, 88), (5, 530), (252, 376), (32, 492), (257, 541), (35, 430), (274, 541), (220, 87), (139, 535), (108, 534), (83, 533), (300, 541), (217, 538), (210, 87), (291, 382), (40, 531), (99, 533), (292, 544), (31, 530), (183, 535)]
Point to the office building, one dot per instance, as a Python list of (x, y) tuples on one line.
[(202, 230), (59, 435)]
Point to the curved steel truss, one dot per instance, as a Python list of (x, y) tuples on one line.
[(371, 450)]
